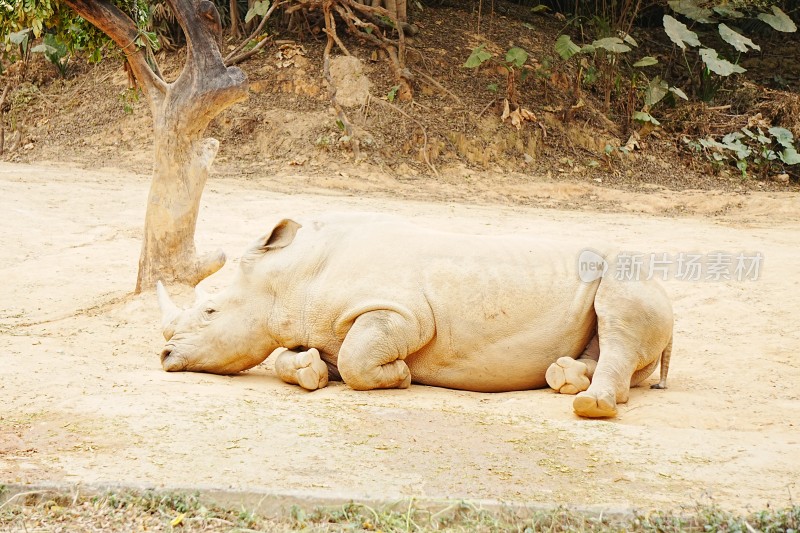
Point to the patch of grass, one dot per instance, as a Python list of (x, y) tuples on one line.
[(148, 510)]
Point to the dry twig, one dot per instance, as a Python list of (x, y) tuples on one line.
[(424, 134)]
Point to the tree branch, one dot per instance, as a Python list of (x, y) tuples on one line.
[(206, 85), (123, 31)]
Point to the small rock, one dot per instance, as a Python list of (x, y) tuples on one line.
[(599, 180), (28, 146), (781, 178)]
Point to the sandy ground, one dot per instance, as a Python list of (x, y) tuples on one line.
[(84, 400)]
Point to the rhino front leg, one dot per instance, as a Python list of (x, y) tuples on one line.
[(571, 376), (372, 355), (306, 369)]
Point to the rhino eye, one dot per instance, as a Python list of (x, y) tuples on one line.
[(209, 312)]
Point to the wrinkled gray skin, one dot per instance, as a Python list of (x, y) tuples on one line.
[(381, 302)]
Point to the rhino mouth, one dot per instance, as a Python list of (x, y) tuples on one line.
[(170, 361)]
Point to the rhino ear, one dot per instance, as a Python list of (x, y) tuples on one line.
[(281, 236)]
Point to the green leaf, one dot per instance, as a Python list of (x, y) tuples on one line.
[(742, 151), (565, 47), (19, 37), (529, 25), (340, 124), (732, 136), (628, 39), (656, 90), (790, 156), (737, 40), (392, 94), (783, 136), (612, 44), (679, 93), (742, 166), (641, 116), (541, 8), (679, 33), (259, 9), (708, 142), (516, 56), (717, 65), (37, 27), (728, 12), (492, 87), (778, 20), (690, 9), (646, 61), (43, 49), (478, 57)]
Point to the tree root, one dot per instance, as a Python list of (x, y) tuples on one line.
[(330, 30), (420, 126), (368, 24)]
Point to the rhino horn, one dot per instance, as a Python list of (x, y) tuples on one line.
[(200, 295), (169, 311)]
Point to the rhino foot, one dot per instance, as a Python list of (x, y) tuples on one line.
[(312, 372), (567, 376), (595, 405)]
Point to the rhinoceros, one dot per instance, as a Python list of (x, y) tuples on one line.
[(380, 302)]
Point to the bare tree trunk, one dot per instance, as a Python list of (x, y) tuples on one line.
[(181, 112), (235, 20), (402, 10), (396, 8)]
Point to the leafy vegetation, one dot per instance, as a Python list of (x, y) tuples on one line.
[(512, 63), (756, 149)]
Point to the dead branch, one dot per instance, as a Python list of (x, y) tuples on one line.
[(439, 86)]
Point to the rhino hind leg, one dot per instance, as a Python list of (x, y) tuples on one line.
[(306, 369), (634, 326)]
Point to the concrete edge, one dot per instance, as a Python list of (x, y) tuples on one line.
[(280, 505)]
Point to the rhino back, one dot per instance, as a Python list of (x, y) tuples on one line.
[(498, 310)]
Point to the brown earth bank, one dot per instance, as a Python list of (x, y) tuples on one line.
[(451, 132), (85, 400)]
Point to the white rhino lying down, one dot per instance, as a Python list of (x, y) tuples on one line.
[(381, 303)]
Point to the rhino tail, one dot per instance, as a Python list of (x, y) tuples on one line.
[(665, 356)]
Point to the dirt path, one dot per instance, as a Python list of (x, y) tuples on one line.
[(84, 399)]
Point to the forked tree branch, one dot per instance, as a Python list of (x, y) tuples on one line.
[(205, 86)]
